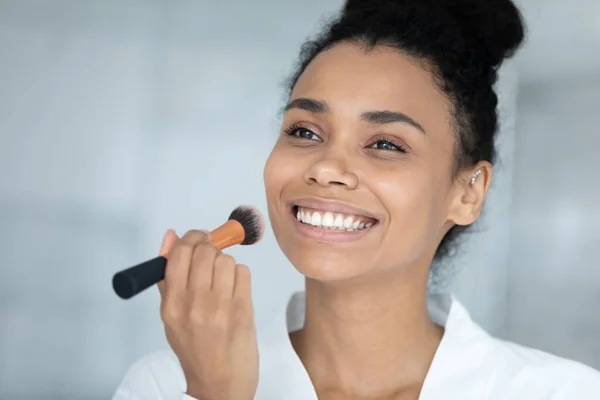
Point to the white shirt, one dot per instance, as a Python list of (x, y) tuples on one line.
[(468, 365)]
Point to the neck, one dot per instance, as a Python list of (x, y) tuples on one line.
[(368, 339)]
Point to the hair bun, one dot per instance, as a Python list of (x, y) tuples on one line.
[(495, 25)]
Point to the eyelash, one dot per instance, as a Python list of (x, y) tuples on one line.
[(294, 129), (398, 147)]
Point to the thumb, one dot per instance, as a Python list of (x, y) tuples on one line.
[(168, 242)]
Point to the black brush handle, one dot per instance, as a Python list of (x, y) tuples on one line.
[(138, 278)]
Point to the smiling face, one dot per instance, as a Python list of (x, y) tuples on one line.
[(360, 181)]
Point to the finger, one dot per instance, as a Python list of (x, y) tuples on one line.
[(195, 237), (169, 240), (178, 264), (242, 287), (224, 276), (202, 268)]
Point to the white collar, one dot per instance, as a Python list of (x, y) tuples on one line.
[(463, 339)]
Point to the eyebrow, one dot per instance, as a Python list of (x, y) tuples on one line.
[(310, 105), (374, 117)]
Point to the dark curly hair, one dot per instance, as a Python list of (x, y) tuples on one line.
[(461, 42)]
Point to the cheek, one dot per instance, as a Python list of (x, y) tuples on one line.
[(407, 198), (280, 170), (415, 213)]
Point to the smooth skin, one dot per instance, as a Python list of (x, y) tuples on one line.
[(367, 333)]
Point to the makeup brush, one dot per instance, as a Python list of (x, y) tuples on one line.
[(245, 226)]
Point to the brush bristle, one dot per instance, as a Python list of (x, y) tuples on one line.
[(252, 221)]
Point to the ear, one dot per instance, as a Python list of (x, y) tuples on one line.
[(470, 189)]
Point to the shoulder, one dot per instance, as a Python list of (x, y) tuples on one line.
[(154, 376), (522, 371), (500, 369)]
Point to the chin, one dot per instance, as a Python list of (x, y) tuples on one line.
[(333, 247), (325, 262), (326, 269)]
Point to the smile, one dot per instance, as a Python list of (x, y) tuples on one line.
[(331, 221)]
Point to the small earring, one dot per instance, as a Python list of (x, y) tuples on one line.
[(475, 176)]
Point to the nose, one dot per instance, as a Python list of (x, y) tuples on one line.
[(330, 172)]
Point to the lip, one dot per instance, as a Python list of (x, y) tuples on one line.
[(325, 236), (331, 205)]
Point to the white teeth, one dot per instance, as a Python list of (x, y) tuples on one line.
[(315, 219), (348, 222), (306, 217), (339, 221), (327, 220)]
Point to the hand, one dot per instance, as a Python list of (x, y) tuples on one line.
[(209, 319)]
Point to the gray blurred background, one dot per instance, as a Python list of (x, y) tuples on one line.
[(121, 118)]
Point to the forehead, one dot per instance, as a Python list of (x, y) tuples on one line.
[(352, 80)]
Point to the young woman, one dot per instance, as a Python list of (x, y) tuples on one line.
[(385, 155)]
